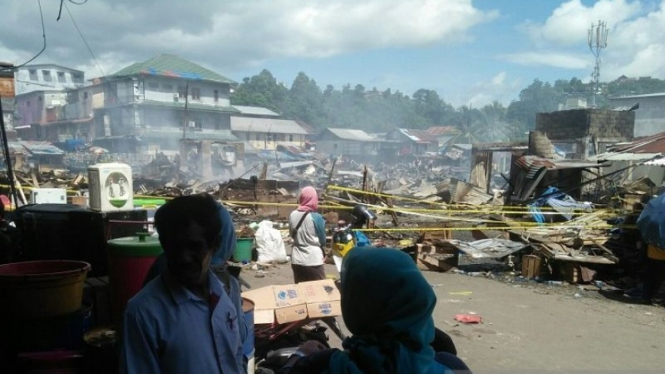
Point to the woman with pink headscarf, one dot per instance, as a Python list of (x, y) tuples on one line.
[(309, 238)]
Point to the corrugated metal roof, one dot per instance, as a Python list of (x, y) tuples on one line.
[(419, 136), (266, 125), (466, 147), (640, 149), (255, 111), (529, 162), (41, 148), (618, 156), (443, 130), (352, 134), (166, 65), (657, 162), (657, 94)]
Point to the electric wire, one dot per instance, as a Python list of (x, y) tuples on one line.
[(41, 15)]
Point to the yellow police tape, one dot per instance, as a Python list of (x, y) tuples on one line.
[(445, 213), (449, 207)]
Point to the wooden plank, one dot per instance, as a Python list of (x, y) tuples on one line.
[(439, 260), (35, 183)]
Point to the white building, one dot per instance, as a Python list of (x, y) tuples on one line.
[(155, 98), (649, 117), (47, 77)]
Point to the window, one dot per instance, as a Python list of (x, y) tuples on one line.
[(335, 146), (77, 78), (85, 96), (196, 94), (153, 86), (27, 103), (247, 136), (216, 93), (282, 137), (33, 75), (290, 138), (258, 136), (182, 91), (168, 87), (47, 75), (61, 77)]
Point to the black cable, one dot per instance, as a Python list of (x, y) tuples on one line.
[(78, 3), (60, 10), (41, 14), (83, 38), (90, 50)]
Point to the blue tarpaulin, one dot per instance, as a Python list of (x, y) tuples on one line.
[(564, 204)]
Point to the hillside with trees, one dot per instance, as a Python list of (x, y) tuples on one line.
[(378, 111)]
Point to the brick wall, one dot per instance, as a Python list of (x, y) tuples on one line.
[(578, 123)]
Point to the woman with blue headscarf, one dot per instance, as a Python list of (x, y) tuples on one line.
[(387, 305)]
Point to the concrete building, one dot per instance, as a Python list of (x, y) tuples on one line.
[(47, 77), (156, 98), (58, 116), (347, 142), (37, 107), (650, 117), (582, 133)]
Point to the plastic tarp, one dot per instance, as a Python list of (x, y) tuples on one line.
[(562, 203), (490, 248), (270, 244)]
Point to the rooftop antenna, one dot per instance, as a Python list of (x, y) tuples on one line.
[(597, 42)]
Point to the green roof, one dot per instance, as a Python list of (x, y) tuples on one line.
[(172, 66), (192, 106)]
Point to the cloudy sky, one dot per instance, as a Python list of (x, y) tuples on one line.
[(470, 51)]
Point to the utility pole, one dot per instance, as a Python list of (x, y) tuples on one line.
[(597, 39)]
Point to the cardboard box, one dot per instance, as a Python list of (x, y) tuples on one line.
[(323, 298), (289, 303)]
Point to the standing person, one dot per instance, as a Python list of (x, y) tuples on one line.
[(654, 273), (309, 238), (184, 321), (218, 264)]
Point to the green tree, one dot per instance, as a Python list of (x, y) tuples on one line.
[(306, 101), (261, 90)]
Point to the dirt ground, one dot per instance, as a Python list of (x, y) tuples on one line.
[(533, 327)]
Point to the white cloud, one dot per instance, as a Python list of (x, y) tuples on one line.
[(636, 40), (501, 88), (570, 22), (499, 78), (550, 58), (237, 33), (637, 48)]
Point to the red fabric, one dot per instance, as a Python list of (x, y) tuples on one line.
[(468, 318), (309, 200)]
